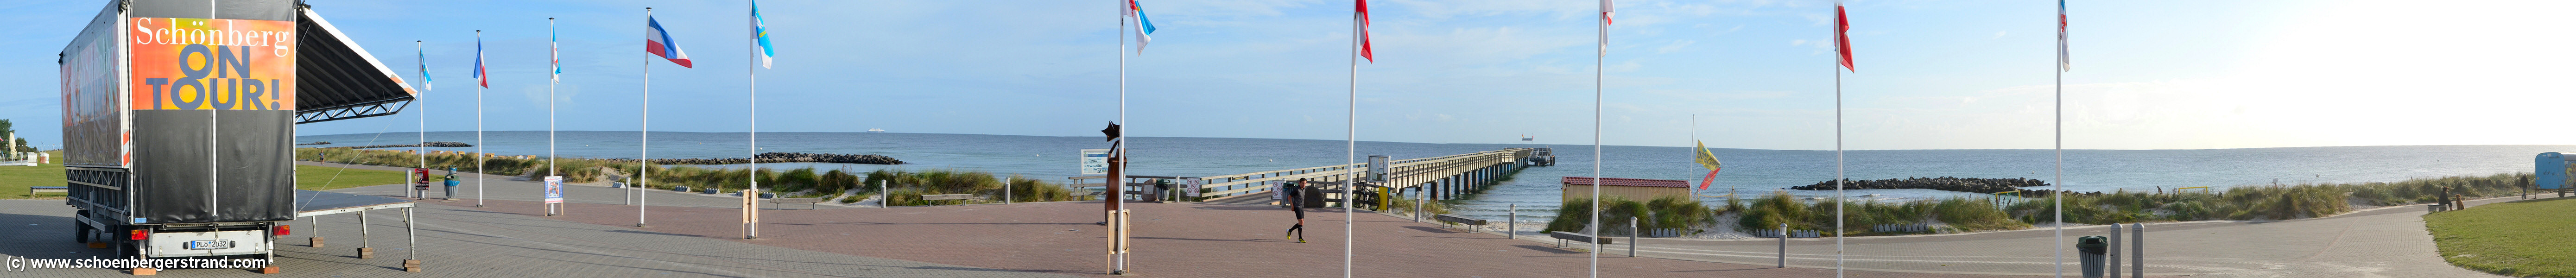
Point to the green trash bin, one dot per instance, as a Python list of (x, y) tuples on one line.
[(2092, 250)]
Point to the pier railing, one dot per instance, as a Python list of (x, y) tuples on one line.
[(1403, 173)]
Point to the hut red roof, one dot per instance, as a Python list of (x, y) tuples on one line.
[(1628, 182)]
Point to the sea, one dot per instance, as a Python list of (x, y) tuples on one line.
[(1534, 191)]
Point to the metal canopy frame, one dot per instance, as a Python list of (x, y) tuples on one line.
[(335, 79), (381, 108)]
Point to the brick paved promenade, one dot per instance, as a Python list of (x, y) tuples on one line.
[(696, 235)]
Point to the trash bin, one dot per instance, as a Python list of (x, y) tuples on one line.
[(451, 186), (2092, 250)]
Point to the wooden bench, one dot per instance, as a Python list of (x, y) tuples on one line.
[(961, 198), (1472, 223), (1561, 237), (31, 191), (810, 203)]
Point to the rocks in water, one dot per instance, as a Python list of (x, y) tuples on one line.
[(776, 157), (315, 143), (432, 144), (1974, 185)]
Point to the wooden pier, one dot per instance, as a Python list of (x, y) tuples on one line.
[(1438, 178)]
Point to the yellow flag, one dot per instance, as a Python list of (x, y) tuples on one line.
[(1706, 158)]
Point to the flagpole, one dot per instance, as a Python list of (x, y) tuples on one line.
[(2060, 136), (479, 78), (1838, 135), (751, 88), (644, 150), (1352, 143), (1118, 153), (424, 106), (555, 77), (1601, 51)]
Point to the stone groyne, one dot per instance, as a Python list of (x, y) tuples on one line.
[(432, 144)]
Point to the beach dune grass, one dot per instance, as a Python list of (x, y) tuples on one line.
[(1668, 212), (2521, 239), (2267, 202)]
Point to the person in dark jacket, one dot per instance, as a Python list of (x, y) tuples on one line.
[(1296, 203)]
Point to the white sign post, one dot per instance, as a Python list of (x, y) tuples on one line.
[(554, 195)]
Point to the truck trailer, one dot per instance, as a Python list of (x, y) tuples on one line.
[(179, 122)]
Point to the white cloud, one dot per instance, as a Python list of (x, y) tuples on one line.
[(1676, 45)]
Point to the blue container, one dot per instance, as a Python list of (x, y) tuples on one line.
[(2550, 170)]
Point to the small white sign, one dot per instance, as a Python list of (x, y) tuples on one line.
[(1192, 185), (1377, 171), (554, 189), (1095, 161)]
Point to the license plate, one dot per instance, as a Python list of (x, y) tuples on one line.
[(210, 244)]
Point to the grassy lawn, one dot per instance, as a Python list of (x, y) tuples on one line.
[(14, 180), (309, 177), (2523, 239)]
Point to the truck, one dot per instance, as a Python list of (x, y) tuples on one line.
[(179, 122)]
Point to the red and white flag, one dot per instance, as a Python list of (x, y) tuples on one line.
[(1362, 13), (1842, 38), (2063, 61)]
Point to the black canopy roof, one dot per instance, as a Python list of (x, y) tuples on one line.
[(337, 80)]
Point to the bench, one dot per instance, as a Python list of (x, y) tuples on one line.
[(1471, 223), (31, 191), (1561, 237), (961, 198), (810, 203)]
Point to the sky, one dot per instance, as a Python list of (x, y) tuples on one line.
[(1931, 74)]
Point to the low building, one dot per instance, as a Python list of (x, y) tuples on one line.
[(1628, 188)]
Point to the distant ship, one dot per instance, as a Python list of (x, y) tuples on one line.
[(876, 130)]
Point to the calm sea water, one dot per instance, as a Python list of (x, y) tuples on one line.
[(1749, 171)]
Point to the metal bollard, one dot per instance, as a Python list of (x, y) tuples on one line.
[(2138, 249), (2112, 254), (1513, 223), (1784, 245), (1632, 236)]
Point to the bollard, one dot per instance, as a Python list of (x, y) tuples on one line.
[(1784, 245), (2111, 253), (2138, 249), (1513, 223), (1632, 236)]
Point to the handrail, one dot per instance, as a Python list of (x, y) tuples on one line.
[(1406, 172)]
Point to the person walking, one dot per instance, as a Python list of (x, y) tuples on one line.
[(1296, 203)]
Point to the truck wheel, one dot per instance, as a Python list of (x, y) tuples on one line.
[(80, 232)]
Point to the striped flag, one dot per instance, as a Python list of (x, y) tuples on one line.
[(1144, 28), (554, 53), (760, 32), (1364, 33), (423, 55), (2064, 63), (479, 77), (659, 43), (1709, 160), (1842, 39), (1605, 27)]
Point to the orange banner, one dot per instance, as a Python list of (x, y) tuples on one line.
[(212, 64)]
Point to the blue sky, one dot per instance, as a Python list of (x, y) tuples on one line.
[(1932, 74)]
